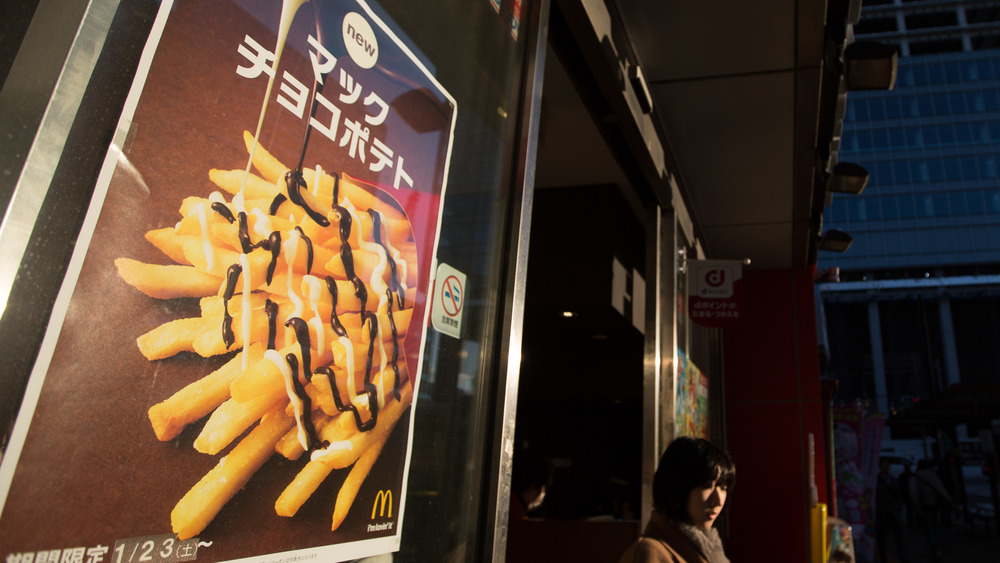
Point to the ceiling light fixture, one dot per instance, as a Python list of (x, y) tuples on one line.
[(848, 178), (870, 65), (835, 240)]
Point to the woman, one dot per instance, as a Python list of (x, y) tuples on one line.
[(689, 492)]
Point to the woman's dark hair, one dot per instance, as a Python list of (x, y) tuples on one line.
[(689, 463)]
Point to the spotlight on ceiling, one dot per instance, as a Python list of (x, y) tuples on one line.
[(847, 178), (870, 65), (835, 240)]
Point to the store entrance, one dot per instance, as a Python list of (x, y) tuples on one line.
[(580, 405)]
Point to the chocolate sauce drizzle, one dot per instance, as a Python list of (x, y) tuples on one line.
[(395, 285), (300, 392), (335, 324), (295, 182), (232, 276), (276, 203), (301, 329), (271, 310), (223, 209), (309, 249), (370, 389)]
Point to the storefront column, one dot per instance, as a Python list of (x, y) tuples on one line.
[(659, 372), (951, 372), (878, 357)]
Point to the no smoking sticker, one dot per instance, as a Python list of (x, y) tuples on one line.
[(449, 298)]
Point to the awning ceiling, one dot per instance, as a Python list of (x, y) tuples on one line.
[(736, 90)]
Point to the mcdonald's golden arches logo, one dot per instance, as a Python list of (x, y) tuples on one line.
[(382, 499)]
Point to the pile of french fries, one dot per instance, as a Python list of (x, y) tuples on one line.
[(317, 360)]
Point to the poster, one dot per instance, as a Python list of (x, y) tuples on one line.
[(692, 398), (857, 439), (716, 292), (233, 360)]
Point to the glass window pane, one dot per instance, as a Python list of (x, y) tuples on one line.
[(936, 168), (864, 140), (963, 133), (970, 168), (940, 102), (907, 209), (935, 73), (988, 166), (953, 73), (901, 172), (880, 139), (876, 109), (889, 208), (971, 71), (857, 210), (976, 102), (930, 135), (881, 174), (873, 207), (992, 198), (974, 199), (958, 203), (947, 135), (952, 169), (861, 111), (925, 205), (837, 212), (926, 105), (897, 139), (941, 207), (892, 108), (985, 69), (991, 100)]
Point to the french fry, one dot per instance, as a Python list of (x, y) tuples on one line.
[(289, 445), (387, 419), (301, 488), (167, 282), (349, 490), (231, 180), (231, 419), (197, 399), (207, 497), (168, 242), (270, 168), (171, 338)]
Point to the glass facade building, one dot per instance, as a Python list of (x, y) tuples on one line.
[(932, 147), (914, 317)]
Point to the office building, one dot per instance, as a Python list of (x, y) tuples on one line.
[(914, 320)]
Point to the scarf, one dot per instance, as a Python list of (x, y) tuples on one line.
[(708, 542)]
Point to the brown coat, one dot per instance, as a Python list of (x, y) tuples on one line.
[(661, 542)]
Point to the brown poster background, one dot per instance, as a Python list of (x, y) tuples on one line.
[(90, 471)]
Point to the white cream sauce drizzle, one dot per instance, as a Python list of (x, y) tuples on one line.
[(290, 248), (352, 392), (206, 241), (288, 10), (312, 289), (317, 179), (341, 445), (261, 223), (286, 374)]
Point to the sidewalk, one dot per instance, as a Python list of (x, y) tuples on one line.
[(960, 543)]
